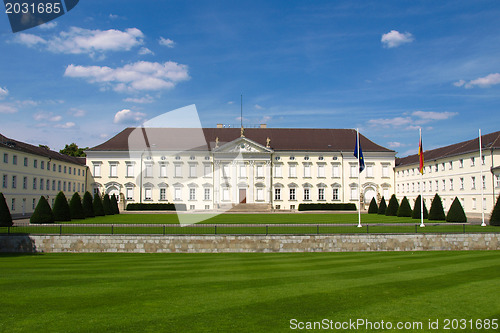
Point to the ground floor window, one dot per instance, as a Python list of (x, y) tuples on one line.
[(130, 193), (163, 194), (13, 204), (292, 194), (306, 194), (192, 194), (260, 194), (277, 194), (335, 194), (321, 194), (148, 193), (206, 194), (177, 194)]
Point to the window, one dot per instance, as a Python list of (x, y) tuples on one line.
[(225, 194), (335, 171), (354, 193), (385, 192), (437, 186), (64, 186), (243, 171), (397, 188), (47, 185), (53, 185), (278, 171), (385, 171), (42, 165), (444, 184), (461, 183), (206, 194), (35, 164), (34, 183), (461, 163), (413, 187), (78, 187), (473, 182), (13, 204), (442, 166), (472, 161), (451, 165), (484, 182), (321, 194), (130, 170), (130, 193), (277, 194), (79, 172), (436, 168), (292, 194), (58, 185), (482, 159), (69, 169), (26, 162), (64, 169), (497, 180), (192, 194), (163, 193), (292, 207), (148, 193), (207, 170), (354, 170), (474, 203), (34, 204), (4, 181), (484, 204), (163, 170), (112, 170), (97, 170), (192, 170), (6, 158), (260, 171), (74, 187), (293, 171), (423, 186), (14, 181), (177, 193), (321, 171), (307, 171), (335, 194), (306, 194), (25, 183), (451, 184), (148, 170), (14, 159), (54, 168), (225, 170)]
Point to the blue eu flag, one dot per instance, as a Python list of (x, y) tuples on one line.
[(358, 150)]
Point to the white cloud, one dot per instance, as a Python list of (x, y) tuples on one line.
[(48, 25), (39, 116), (143, 100), (77, 112), (397, 121), (145, 50), (55, 118), (166, 42), (142, 75), (127, 116), (394, 38), (265, 119), (426, 116), (412, 122), (230, 102), (4, 108), (258, 107), (112, 16), (79, 40), (395, 144), (3, 92), (482, 82), (67, 125)]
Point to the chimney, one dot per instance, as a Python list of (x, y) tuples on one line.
[(219, 125), (263, 125)]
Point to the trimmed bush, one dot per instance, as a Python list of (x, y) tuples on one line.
[(495, 214), (5, 217), (416, 210), (114, 205), (382, 207), (43, 212), (155, 206), (456, 212), (437, 212), (88, 207), (76, 208), (373, 209), (404, 209), (327, 206), (392, 209), (61, 208), (98, 209), (106, 204)]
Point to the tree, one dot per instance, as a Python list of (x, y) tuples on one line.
[(456, 212), (5, 217), (495, 214), (416, 210), (404, 209), (106, 204), (373, 209), (114, 205), (382, 207), (75, 207), (392, 209), (88, 207), (437, 212), (43, 212), (98, 209), (61, 208), (73, 150)]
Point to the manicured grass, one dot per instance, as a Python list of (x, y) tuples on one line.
[(243, 292)]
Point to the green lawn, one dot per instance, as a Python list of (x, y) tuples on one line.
[(243, 292)]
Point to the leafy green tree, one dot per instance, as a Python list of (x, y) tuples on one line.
[(88, 207), (436, 212), (373, 209), (106, 204), (392, 208), (495, 214), (404, 209), (5, 217), (73, 150), (416, 210), (61, 208), (382, 207), (43, 213), (456, 212), (98, 209), (75, 207), (114, 205)]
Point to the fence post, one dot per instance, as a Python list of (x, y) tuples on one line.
[(215, 230), (416, 229), (463, 227), (163, 230), (60, 229), (8, 230), (112, 231), (267, 229), (317, 229), (367, 229)]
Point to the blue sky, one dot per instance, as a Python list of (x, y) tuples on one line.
[(387, 68)]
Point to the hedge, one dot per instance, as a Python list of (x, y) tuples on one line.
[(416, 210), (76, 208), (43, 212), (456, 212), (436, 212), (404, 209), (97, 205), (327, 206), (382, 207), (114, 205), (392, 209), (5, 217), (88, 207), (373, 209), (156, 206), (106, 204), (495, 214), (61, 208)]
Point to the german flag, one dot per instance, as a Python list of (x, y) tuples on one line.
[(421, 155)]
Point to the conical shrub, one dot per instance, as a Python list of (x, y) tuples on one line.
[(382, 207), (437, 212), (456, 212), (61, 208), (5, 217), (76, 208), (392, 208), (404, 209), (114, 205), (43, 212), (416, 210), (106, 204), (88, 207), (373, 209), (98, 209), (495, 214)]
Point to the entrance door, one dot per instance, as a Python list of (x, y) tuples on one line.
[(243, 195)]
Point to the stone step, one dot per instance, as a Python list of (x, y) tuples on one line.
[(251, 207)]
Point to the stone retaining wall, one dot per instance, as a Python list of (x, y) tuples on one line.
[(230, 243)]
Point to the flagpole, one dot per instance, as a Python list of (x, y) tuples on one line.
[(359, 176), (421, 151), (481, 170)]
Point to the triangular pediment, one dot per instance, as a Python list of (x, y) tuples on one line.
[(242, 145)]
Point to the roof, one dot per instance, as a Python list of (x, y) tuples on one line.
[(281, 139), (488, 141), (40, 151)]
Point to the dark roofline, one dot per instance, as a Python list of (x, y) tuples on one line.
[(39, 151)]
